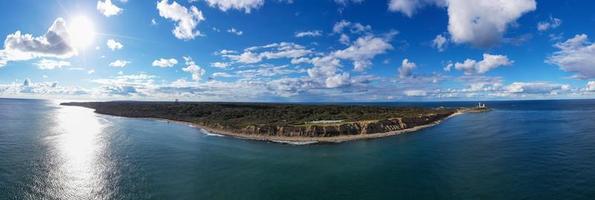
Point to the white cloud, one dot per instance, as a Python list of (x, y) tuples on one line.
[(287, 87), (246, 57), (406, 68), (344, 39), (191, 67), (225, 52), (415, 93), (246, 5), (591, 86), (51, 64), (484, 22), (114, 45), (235, 31), (337, 80), (552, 23), (439, 43), (363, 50), (576, 55), (107, 8), (222, 65), (481, 23), (257, 54), (342, 25), (221, 74), (345, 2), (119, 63), (488, 63), (30, 88), (536, 88), (186, 19), (313, 33), (409, 7), (163, 62), (324, 66), (141, 85), (448, 67), (55, 43), (267, 70)]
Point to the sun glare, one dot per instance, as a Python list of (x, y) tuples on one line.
[(81, 32)]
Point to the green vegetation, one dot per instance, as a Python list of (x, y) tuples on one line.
[(240, 115)]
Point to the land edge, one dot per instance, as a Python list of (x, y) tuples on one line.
[(295, 140)]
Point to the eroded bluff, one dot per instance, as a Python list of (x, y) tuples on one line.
[(330, 130)]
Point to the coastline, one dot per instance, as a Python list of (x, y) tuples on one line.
[(298, 140)]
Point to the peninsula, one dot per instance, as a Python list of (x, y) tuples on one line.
[(290, 123)]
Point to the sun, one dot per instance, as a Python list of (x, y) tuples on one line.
[(82, 32)]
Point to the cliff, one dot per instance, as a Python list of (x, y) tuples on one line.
[(333, 130), (280, 120)]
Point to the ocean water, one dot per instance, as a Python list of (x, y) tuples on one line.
[(520, 150)]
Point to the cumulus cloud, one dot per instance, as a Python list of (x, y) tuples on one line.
[(313, 33), (222, 74), (235, 31), (127, 85), (246, 57), (186, 19), (221, 65), (246, 5), (481, 23), (107, 8), (363, 50), (415, 93), (406, 68), (119, 63), (345, 2), (51, 64), (191, 67), (439, 43), (30, 88), (326, 69), (536, 88), (267, 70), (409, 7), (337, 80), (488, 63), (576, 55), (257, 54), (590, 86), (343, 25), (552, 23), (55, 44), (114, 45), (163, 62)]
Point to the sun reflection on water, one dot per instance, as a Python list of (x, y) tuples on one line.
[(78, 145)]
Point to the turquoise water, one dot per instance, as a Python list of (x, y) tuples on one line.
[(521, 150)]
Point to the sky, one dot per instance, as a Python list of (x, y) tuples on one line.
[(298, 50)]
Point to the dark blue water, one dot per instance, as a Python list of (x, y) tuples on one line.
[(521, 150)]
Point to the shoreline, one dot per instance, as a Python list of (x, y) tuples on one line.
[(296, 140)]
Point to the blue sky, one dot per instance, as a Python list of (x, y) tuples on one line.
[(297, 50)]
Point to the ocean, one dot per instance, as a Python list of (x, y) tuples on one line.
[(520, 150)]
